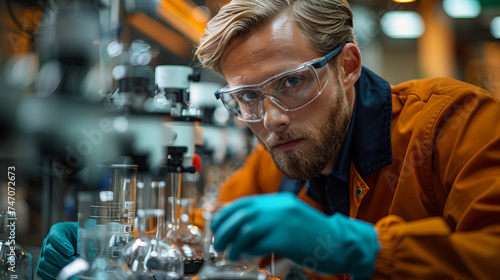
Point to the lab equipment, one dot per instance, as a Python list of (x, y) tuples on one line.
[(150, 256), (16, 262), (275, 223), (114, 203), (172, 98), (187, 236), (105, 224), (123, 190), (99, 242), (218, 266)]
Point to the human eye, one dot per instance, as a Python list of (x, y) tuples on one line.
[(291, 82), (248, 95)]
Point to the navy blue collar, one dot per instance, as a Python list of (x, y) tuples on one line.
[(368, 141)]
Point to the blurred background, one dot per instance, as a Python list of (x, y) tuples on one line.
[(49, 123)]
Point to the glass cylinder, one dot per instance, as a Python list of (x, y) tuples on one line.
[(16, 262), (123, 186)]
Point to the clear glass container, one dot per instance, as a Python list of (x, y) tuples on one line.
[(17, 262), (186, 236), (121, 193), (149, 256), (218, 267), (106, 217), (100, 239)]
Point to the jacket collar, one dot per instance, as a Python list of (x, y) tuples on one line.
[(371, 142), (368, 141)]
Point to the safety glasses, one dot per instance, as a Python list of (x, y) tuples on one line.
[(290, 90)]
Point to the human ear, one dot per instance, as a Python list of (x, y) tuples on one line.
[(349, 63)]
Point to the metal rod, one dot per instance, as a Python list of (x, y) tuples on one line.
[(272, 265), (178, 198)]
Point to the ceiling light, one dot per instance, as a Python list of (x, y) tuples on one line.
[(495, 27), (462, 8), (403, 24)]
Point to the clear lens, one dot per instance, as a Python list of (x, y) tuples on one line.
[(290, 90)]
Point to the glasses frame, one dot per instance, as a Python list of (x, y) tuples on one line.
[(316, 64)]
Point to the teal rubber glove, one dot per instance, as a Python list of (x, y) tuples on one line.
[(59, 249), (283, 224)]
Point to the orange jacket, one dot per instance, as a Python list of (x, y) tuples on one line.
[(437, 206)]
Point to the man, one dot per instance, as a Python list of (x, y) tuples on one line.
[(420, 160), (406, 177)]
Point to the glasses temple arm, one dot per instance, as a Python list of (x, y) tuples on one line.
[(327, 57)]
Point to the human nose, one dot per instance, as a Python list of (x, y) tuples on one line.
[(274, 119)]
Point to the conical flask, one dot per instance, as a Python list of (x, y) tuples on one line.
[(149, 256), (186, 236), (218, 267)]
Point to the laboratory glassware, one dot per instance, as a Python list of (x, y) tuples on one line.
[(123, 187), (185, 235), (149, 256), (99, 239), (114, 203), (219, 267)]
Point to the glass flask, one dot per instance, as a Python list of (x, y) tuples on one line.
[(17, 263), (149, 256), (186, 236), (218, 267)]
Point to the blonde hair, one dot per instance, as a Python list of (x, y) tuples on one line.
[(324, 23)]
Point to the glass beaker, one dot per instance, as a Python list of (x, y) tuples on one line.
[(114, 203), (99, 236)]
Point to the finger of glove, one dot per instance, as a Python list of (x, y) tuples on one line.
[(55, 257), (70, 229), (44, 272), (59, 241), (49, 268), (230, 226), (250, 235), (228, 210)]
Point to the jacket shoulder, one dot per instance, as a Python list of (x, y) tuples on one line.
[(425, 89)]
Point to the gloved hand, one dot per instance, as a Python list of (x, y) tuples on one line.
[(283, 224), (59, 249)]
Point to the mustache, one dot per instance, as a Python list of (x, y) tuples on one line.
[(273, 138)]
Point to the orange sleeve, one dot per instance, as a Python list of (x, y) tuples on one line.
[(464, 241), (428, 249)]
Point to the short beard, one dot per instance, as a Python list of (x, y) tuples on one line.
[(323, 141)]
